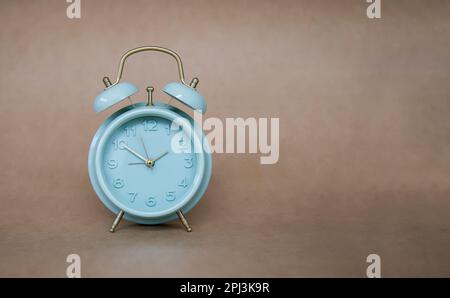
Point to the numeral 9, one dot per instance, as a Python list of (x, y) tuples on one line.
[(112, 164)]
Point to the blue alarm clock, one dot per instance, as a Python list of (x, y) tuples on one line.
[(150, 162)]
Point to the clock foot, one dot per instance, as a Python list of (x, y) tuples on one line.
[(184, 221), (117, 221)]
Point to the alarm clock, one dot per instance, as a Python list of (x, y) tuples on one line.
[(149, 162)]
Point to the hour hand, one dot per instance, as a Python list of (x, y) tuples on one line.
[(135, 153), (160, 156)]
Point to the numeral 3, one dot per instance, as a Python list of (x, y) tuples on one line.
[(188, 162)]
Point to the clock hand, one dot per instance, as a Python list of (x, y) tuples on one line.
[(145, 148), (148, 162), (135, 153), (160, 156)]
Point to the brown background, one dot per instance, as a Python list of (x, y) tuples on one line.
[(365, 136)]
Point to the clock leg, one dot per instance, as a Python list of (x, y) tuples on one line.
[(184, 221), (117, 221)]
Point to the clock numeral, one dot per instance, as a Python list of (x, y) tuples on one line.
[(112, 164), (150, 125), (133, 196), (170, 196), (188, 162), (170, 129), (119, 144), (183, 183), (130, 131), (118, 183), (182, 142), (184, 145), (150, 202)]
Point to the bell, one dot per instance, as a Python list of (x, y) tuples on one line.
[(186, 95), (113, 94)]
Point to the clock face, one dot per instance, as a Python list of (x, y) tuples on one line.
[(148, 166)]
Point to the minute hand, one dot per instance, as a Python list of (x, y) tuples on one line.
[(135, 153)]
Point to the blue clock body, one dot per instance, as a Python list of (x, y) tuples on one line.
[(123, 181)]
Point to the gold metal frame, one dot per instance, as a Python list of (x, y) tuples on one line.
[(151, 48)]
